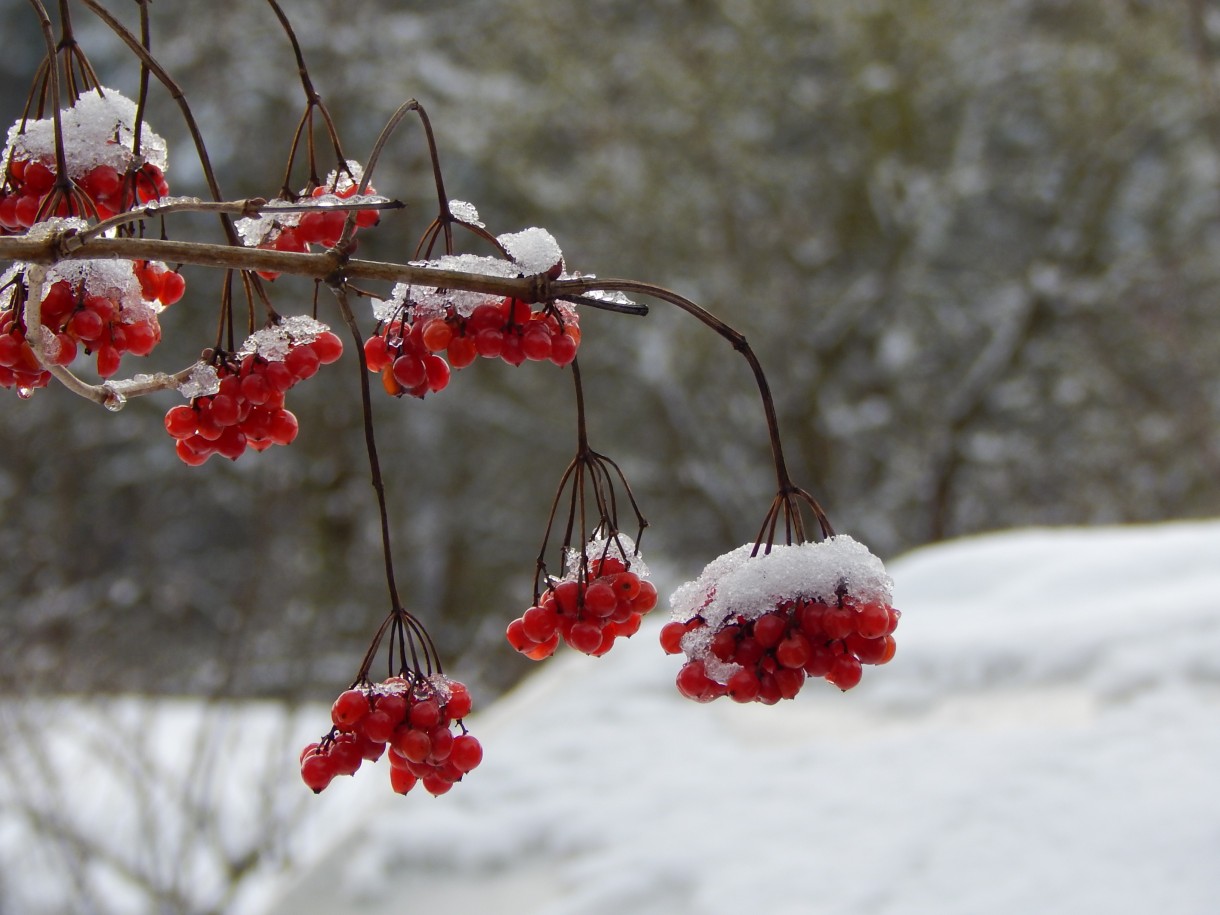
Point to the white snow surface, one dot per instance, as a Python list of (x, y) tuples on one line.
[(1045, 741)]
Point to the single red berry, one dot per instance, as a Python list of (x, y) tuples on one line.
[(794, 651), (770, 629), (378, 725), (845, 672), (585, 637), (317, 771), (467, 752), (671, 637), (424, 714), (180, 421), (442, 743), (459, 703), (401, 780), (872, 620), (743, 686), (350, 707), (302, 361), (600, 599), (328, 347), (412, 743)]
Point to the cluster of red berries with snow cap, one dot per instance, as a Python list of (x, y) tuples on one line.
[(602, 596), (321, 224), (110, 164), (238, 403), (416, 324), (411, 718), (105, 308), (754, 626)]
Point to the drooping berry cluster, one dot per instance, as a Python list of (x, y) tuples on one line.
[(412, 718), (754, 627), (238, 403), (105, 308), (599, 600), (397, 353), (107, 174), (508, 329), (417, 324), (320, 225)]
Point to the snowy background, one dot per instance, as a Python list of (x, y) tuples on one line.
[(1045, 741)]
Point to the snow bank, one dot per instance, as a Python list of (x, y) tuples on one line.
[(1045, 741)]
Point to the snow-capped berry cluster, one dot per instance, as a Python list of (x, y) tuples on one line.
[(105, 308), (754, 627), (100, 143), (239, 402), (509, 329), (416, 324), (411, 718), (322, 225), (597, 601)]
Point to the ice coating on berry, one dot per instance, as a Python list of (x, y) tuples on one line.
[(273, 343), (110, 277), (99, 129), (534, 249), (739, 584), (202, 381)]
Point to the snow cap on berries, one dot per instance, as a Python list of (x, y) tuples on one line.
[(273, 343), (99, 129), (600, 546), (741, 584)]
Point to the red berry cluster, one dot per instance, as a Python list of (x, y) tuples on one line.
[(509, 329), (398, 354), (19, 367), (247, 408), (588, 612), (28, 184), (107, 309), (323, 225), (413, 718), (107, 175), (767, 658)]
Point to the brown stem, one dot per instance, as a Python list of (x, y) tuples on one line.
[(370, 442)]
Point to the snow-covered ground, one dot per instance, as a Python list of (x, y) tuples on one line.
[(1046, 740)]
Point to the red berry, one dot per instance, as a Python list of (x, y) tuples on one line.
[(180, 421), (459, 703), (412, 744), (410, 371), (585, 637), (872, 620), (467, 752), (743, 686), (349, 708), (793, 652), (302, 362), (671, 637), (401, 780), (424, 714), (844, 672), (328, 347), (317, 771), (283, 427), (600, 599)]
